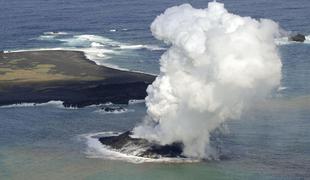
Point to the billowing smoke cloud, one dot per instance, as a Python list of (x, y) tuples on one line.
[(218, 63)]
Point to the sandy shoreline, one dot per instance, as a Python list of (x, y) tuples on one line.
[(68, 76)]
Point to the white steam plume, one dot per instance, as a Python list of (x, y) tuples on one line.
[(217, 64)]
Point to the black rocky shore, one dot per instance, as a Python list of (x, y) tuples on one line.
[(79, 94), (297, 38), (125, 143), (68, 76)]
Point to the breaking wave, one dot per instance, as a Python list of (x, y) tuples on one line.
[(58, 104), (95, 47), (136, 101), (141, 46), (86, 40), (115, 30)]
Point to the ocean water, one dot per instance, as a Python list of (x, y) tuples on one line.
[(270, 141)]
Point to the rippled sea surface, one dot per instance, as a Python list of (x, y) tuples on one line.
[(270, 141)]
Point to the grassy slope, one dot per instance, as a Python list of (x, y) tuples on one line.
[(67, 76)]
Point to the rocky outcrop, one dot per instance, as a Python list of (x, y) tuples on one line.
[(298, 38), (141, 147)]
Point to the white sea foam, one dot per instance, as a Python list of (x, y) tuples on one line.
[(141, 46), (49, 36), (96, 38), (96, 48), (40, 49), (97, 54), (55, 33), (19, 105), (136, 101), (97, 150), (58, 104), (46, 37), (281, 88)]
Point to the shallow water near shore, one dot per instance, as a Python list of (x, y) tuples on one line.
[(270, 141)]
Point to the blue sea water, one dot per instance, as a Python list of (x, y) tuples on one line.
[(270, 141)]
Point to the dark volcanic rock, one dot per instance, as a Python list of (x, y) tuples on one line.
[(75, 94), (111, 109), (298, 38), (125, 143), (171, 150), (118, 142)]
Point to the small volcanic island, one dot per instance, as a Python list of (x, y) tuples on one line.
[(126, 144)]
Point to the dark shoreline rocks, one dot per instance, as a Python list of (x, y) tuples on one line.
[(76, 94), (298, 38), (112, 109), (67, 76)]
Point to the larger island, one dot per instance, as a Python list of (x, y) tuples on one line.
[(68, 76)]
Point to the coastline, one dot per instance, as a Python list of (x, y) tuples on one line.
[(76, 50), (68, 76)]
